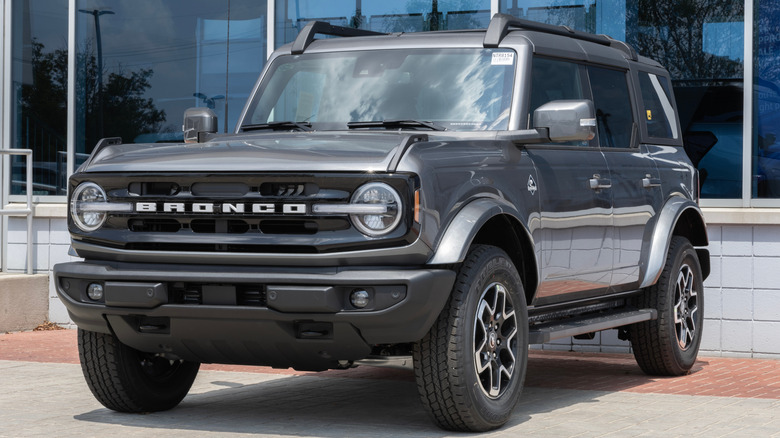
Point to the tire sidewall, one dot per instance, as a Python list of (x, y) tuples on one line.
[(495, 267), (684, 359)]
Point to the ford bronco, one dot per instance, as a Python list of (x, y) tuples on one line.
[(441, 199)]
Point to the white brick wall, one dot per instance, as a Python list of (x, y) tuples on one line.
[(742, 294), (51, 241)]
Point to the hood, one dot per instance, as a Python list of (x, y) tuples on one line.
[(281, 152)]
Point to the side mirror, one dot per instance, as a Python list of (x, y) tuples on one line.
[(198, 120), (567, 120)]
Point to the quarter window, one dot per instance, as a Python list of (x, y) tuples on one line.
[(658, 109)]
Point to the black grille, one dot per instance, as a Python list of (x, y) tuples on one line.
[(153, 225), (289, 190), (239, 213), (252, 295), (288, 227), (229, 226)]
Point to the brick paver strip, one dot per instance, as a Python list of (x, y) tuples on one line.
[(711, 376)]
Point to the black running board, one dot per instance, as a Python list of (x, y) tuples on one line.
[(543, 333)]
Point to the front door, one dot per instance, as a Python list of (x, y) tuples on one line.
[(576, 197)]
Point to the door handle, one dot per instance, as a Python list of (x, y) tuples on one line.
[(598, 183), (651, 182)]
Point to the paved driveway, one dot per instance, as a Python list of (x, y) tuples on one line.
[(567, 395)]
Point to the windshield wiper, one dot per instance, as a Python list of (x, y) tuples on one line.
[(406, 123), (303, 126)]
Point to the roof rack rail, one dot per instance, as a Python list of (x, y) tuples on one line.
[(501, 24), (306, 36)]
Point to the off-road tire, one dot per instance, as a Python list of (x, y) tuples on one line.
[(456, 395), (127, 380), (668, 345)]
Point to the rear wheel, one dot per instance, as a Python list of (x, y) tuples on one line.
[(471, 366), (127, 380), (668, 346)]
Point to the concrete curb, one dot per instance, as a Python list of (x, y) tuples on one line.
[(24, 301)]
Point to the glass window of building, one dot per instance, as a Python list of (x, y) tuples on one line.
[(766, 101), (140, 64), (701, 44), (381, 16), (39, 77)]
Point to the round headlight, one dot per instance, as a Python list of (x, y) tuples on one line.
[(84, 206), (380, 223)]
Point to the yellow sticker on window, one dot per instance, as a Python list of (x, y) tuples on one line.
[(649, 115)]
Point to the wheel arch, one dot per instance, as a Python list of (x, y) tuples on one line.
[(490, 222), (679, 217)]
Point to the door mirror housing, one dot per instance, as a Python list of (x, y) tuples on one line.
[(567, 120), (197, 120)]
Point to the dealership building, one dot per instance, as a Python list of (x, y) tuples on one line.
[(76, 71)]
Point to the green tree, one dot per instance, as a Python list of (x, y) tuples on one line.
[(672, 32), (120, 106)]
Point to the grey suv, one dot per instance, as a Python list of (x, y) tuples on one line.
[(443, 199)]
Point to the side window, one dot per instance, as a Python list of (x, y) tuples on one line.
[(554, 80), (658, 112), (614, 118)]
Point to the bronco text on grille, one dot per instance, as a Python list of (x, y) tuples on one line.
[(206, 207)]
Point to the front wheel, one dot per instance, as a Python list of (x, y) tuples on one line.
[(471, 365), (127, 380), (668, 346)]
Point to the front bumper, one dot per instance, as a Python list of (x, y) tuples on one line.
[(281, 317)]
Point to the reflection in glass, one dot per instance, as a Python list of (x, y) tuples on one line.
[(141, 63), (39, 79), (699, 43), (766, 98), (470, 90), (381, 16)]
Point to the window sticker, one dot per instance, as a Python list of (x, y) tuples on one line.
[(503, 58), (649, 115)]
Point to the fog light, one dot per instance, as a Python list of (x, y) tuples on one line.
[(95, 291), (359, 298)]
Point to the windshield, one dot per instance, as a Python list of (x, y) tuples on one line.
[(452, 89)]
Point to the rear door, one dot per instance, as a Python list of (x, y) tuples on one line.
[(636, 185)]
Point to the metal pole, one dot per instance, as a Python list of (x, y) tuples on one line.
[(5, 168), (29, 182), (96, 13), (27, 211), (71, 103)]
